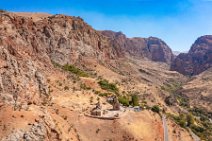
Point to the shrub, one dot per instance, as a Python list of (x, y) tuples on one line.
[(180, 120), (124, 100), (104, 94), (190, 119), (104, 84), (155, 108), (182, 100), (91, 99), (75, 70), (135, 101), (96, 92), (66, 88), (184, 120), (84, 87), (182, 123)]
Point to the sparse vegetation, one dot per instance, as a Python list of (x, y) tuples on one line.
[(201, 128), (75, 70), (204, 115), (182, 100), (177, 98), (180, 120), (84, 87), (171, 87), (156, 109), (128, 100), (105, 85), (71, 68)]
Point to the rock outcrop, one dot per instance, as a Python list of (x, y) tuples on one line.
[(197, 60), (152, 48)]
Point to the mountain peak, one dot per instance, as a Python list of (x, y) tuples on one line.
[(197, 60)]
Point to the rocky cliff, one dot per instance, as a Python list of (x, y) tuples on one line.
[(152, 48), (28, 46), (197, 60)]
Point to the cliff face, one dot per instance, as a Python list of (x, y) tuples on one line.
[(29, 45), (152, 48), (197, 60), (27, 48)]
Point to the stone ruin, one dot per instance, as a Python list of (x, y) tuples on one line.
[(98, 111)]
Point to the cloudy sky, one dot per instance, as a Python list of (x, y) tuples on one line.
[(178, 22)]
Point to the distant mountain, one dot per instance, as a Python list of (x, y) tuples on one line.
[(152, 48), (197, 60), (176, 53)]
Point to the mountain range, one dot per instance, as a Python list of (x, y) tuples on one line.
[(52, 68)]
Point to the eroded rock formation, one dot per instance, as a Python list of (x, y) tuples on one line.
[(197, 60)]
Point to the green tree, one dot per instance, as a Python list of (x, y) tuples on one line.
[(190, 119), (135, 101), (104, 84), (156, 108), (182, 123), (124, 100)]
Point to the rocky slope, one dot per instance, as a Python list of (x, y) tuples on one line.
[(197, 60), (198, 90), (28, 47)]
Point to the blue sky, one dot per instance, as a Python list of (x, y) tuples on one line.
[(178, 22)]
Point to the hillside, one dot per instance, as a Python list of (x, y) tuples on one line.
[(55, 68)]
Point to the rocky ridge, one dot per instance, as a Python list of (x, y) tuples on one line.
[(152, 48), (197, 60)]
